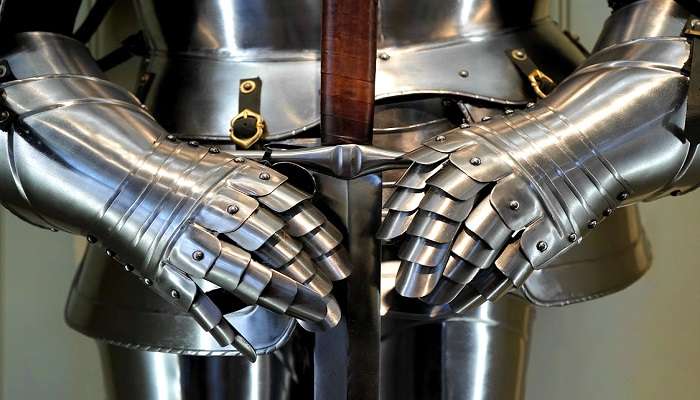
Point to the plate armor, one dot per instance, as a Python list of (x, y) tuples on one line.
[(498, 144)]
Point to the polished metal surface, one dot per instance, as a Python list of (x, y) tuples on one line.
[(640, 19), (605, 138), (478, 356), (148, 375), (160, 207), (200, 51)]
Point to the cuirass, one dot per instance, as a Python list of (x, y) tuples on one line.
[(200, 50)]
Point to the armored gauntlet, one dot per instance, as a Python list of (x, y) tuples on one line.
[(80, 154), (481, 207)]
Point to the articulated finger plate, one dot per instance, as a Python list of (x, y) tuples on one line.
[(541, 241), (424, 252), (416, 175), (229, 268), (456, 183), (301, 220), (194, 251), (415, 280), (438, 202), (210, 318), (256, 230), (175, 286), (433, 227), (283, 198), (426, 156), (485, 223), (513, 264), (473, 250), (395, 224)]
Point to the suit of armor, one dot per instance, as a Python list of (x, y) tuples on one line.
[(486, 174)]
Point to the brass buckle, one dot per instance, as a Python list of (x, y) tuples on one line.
[(259, 128), (537, 76)]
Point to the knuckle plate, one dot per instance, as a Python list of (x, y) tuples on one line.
[(168, 279), (247, 179), (194, 251), (215, 215), (451, 141), (279, 293), (542, 231), (510, 191), (490, 168), (335, 264)]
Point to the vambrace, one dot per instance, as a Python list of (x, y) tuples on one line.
[(80, 154), (483, 206)]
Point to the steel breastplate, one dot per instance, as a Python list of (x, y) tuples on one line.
[(201, 50)]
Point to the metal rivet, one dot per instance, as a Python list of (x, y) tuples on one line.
[(264, 176), (52, 229), (464, 73), (530, 105), (91, 239), (514, 205), (384, 56), (214, 150), (592, 224), (239, 160), (3, 70), (486, 118), (4, 116), (572, 237), (174, 294), (519, 54), (198, 255), (172, 138), (193, 143), (147, 281), (232, 209), (464, 126), (110, 253), (623, 196), (440, 138), (508, 111), (476, 161), (542, 246), (608, 212), (128, 268)]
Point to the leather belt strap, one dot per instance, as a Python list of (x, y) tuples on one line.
[(540, 82), (248, 126)]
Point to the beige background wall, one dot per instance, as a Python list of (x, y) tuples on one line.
[(643, 343)]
